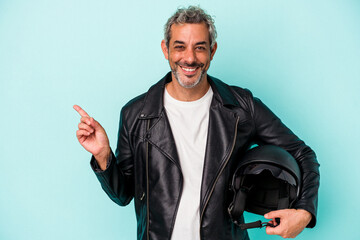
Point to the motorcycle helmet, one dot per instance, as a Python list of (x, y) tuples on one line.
[(267, 178)]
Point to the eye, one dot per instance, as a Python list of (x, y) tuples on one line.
[(201, 48), (179, 47)]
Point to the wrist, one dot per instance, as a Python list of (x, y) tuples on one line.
[(305, 215), (102, 158)]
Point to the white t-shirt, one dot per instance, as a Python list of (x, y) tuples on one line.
[(189, 124)]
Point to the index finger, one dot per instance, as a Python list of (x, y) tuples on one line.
[(81, 111)]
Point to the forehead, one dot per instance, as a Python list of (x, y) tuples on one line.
[(190, 32)]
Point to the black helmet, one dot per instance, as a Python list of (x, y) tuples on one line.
[(267, 178)]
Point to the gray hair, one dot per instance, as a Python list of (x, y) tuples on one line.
[(192, 14)]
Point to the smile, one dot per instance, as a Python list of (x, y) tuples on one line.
[(188, 69)]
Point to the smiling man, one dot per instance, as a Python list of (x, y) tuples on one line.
[(178, 145), (189, 53)]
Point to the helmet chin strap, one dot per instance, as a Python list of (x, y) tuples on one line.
[(237, 206), (256, 224)]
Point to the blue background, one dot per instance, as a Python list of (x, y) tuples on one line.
[(302, 58)]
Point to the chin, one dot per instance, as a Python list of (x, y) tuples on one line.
[(184, 81)]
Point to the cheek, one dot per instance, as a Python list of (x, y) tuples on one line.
[(175, 57), (205, 60), (173, 53)]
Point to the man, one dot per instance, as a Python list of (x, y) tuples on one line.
[(178, 145)]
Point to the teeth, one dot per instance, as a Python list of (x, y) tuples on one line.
[(189, 69)]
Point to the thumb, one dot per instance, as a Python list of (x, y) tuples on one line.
[(273, 214), (95, 124)]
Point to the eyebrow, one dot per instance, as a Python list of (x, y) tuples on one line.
[(201, 43), (198, 43)]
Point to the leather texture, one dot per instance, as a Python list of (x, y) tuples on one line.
[(146, 168)]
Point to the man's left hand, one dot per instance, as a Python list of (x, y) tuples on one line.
[(292, 222)]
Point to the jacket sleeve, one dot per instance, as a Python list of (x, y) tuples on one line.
[(270, 130), (117, 179)]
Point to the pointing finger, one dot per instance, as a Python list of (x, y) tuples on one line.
[(81, 111)]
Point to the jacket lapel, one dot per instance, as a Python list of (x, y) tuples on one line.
[(219, 146), (221, 135), (160, 135)]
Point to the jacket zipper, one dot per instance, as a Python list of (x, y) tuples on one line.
[(218, 176), (147, 184)]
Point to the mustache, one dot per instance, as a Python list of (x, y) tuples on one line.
[(194, 64)]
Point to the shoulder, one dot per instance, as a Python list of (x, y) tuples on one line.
[(223, 87), (233, 95), (241, 92), (131, 110), (146, 105), (134, 104)]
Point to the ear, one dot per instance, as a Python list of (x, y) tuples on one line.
[(165, 50), (213, 50)]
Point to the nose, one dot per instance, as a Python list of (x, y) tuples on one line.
[(189, 56)]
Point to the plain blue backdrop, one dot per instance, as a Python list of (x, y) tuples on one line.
[(302, 58)]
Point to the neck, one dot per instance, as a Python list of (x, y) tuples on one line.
[(187, 94)]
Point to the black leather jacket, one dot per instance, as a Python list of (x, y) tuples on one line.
[(147, 169)]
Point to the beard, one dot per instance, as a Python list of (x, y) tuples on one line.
[(182, 79)]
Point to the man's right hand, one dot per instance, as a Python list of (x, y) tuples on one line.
[(93, 138)]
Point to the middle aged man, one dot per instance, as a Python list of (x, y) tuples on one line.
[(178, 145)]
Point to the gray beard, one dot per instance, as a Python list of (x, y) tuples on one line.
[(183, 84)]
